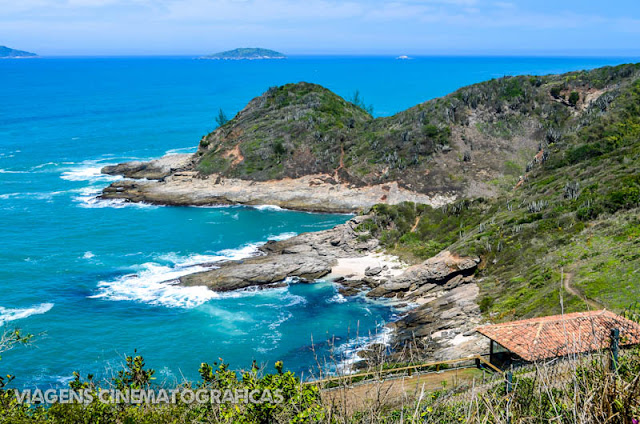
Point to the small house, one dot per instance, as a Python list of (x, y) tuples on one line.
[(544, 338)]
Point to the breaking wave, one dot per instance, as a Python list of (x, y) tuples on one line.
[(8, 314)]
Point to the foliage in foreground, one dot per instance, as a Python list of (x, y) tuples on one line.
[(576, 390)]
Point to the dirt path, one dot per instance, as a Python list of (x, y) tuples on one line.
[(575, 292), (415, 224), (397, 391)]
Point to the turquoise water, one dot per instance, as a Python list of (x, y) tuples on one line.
[(88, 277)]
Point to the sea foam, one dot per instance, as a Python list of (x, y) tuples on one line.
[(89, 170), (156, 283), (8, 314)]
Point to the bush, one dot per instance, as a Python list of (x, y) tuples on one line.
[(556, 91), (486, 303), (574, 97), (624, 198)]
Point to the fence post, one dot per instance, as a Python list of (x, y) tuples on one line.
[(615, 346), (509, 382)]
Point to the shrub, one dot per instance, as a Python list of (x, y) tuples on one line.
[(574, 97), (556, 91), (486, 303)]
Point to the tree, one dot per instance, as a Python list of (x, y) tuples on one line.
[(221, 119), (357, 100)]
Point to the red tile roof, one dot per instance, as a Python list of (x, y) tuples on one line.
[(560, 335)]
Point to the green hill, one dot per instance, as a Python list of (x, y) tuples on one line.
[(573, 216), (474, 142)]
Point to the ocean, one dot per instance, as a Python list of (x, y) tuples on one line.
[(89, 278)]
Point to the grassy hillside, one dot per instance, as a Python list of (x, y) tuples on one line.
[(574, 211)]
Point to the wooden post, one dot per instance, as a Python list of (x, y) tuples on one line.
[(615, 347)]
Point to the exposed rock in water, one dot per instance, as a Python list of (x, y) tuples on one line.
[(260, 271), (307, 256), (444, 288), (153, 170)]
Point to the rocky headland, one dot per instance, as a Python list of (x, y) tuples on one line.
[(440, 293)]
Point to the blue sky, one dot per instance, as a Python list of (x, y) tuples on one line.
[(367, 27)]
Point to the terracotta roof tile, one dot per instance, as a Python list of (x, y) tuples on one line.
[(561, 335)]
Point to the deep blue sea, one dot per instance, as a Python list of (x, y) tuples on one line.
[(89, 278)]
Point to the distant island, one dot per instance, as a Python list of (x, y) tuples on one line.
[(246, 54), (8, 53)]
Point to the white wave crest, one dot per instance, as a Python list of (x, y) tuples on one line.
[(349, 351), (268, 208), (157, 284), (182, 151), (245, 251), (38, 168), (88, 172), (9, 171), (283, 236), (7, 314), (337, 298), (88, 198), (34, 195)]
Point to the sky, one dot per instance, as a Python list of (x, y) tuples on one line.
[(323, 27)]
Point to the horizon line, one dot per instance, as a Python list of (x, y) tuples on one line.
[(356, 55)]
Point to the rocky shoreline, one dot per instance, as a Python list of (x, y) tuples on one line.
[(171, 181), (440, 293)]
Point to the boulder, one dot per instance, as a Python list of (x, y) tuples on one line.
[(370, 272), (445, 269)]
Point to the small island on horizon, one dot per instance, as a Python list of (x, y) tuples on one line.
[(9, 53), (246, 54)]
